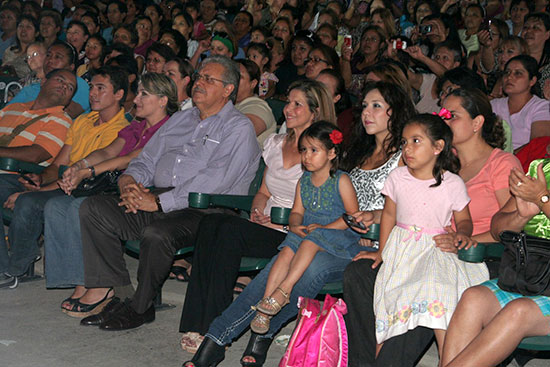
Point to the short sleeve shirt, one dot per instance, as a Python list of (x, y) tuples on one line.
[(420, 204), (84, 137), (49, 132), (537, 109)]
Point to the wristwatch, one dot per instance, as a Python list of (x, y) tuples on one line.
[(286, 228), (157, 200), (545, 198)]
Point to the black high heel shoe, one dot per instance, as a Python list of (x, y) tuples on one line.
[(209, 354), (257, 348)]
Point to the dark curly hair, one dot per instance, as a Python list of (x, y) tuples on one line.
[(437, 129), (322, 131), (476, 103), (362, 145)]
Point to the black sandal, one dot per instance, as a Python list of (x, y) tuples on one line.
[(209, 354), (80, 310), (70, 303), (257, 348), (180, 270)]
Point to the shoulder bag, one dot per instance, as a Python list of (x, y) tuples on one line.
[(525, 264)]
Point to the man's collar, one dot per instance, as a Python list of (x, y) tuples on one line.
[(226, 107)]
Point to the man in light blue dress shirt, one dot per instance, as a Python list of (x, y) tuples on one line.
[(210, 148)]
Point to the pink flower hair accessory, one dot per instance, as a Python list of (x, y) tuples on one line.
[(444, 113), (336, 137)]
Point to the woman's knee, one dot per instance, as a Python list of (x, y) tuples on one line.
[(521, 312)]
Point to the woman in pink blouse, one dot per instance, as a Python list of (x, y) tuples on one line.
[(478, 139), (156, 100)]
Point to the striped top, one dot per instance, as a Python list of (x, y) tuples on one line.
[(49, 132)]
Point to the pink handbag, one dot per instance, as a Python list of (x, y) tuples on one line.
[(320, 338)]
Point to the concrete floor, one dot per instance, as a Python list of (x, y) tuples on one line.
[(34, 332)]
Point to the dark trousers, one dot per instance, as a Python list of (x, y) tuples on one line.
[(221, 242), (400, 351), (104, 224)]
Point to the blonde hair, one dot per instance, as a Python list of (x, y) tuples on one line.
[(387, 19), (318, 100), (162, 86)]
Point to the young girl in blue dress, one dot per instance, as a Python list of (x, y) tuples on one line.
[(323, 194), (418, 284)]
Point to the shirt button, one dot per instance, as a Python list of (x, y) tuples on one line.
[(174, 177), (179, 160), (185, 150), (193, 140)]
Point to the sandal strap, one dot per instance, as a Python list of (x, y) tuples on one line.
[(285, 294)]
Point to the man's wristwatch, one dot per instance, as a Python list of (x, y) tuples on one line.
[(159, 206), (286, 228), (545, 198)]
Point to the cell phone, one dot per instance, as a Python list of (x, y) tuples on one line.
[(347, 40), (351, 222), (28, 179), (489, 29), (425, 29), (399, 45)]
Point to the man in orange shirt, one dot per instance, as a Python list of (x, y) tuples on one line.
[(43, 120)]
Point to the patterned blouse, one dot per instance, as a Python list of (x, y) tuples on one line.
[(368, 184)]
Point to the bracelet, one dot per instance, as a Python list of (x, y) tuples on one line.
[(157, 200), (286, 228), (92, 170), (85, 161)]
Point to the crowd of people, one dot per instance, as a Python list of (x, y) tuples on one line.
[(419, 115)]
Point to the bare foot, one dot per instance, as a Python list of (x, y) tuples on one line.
[(78, 292)]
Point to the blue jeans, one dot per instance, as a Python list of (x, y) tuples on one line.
[(25, 229), (236, 318), (64, 266), (9, 184)]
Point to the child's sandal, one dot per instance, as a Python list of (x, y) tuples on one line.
[(270, 306), (260, 323)]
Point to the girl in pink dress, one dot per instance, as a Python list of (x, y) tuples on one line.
[(418, 284)]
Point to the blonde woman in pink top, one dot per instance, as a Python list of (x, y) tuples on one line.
[(478, 138)]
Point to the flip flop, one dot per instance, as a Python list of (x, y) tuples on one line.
[(179, 271)]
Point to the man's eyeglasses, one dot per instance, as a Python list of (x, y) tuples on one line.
[(207, 78), (315, 60)]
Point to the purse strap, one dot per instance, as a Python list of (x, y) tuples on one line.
[(5, 140)]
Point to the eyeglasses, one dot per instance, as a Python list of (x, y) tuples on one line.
[(315, 60), (221, 34), (33, 55), (207, 78)]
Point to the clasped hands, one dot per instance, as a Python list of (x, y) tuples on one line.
[(71, 178), (528, 191), (136, 197)]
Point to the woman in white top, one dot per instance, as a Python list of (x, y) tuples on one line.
[(252, 106), (181, 72), (527, 114), (223, 239)]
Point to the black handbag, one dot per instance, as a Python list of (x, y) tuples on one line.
[(104, 183), (525, 264)]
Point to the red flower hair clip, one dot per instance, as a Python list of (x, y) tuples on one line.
[(336, 137), (443, 113)]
